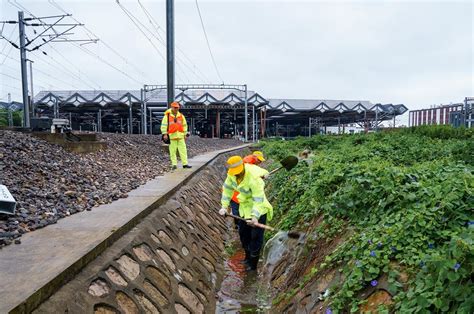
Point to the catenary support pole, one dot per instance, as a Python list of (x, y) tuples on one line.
[(130, 115), (151, 122), (170, 50), (309, 127), (376, 118), (99, 120), (32, 98), (141, 112), (253, 123), (246, 116), (24, 78)]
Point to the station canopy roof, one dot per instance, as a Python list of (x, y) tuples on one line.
[(105, 99), (323, 108), (345, 111), (12, 106)]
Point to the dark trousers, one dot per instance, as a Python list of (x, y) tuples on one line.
[(235, 211), (252, 237)]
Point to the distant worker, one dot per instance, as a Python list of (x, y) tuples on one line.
[(175, 128), (254, 206), (256, 158)]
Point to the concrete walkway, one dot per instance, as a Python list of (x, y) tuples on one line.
[(49, 257)]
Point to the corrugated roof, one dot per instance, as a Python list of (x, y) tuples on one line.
[(158, 95), (14, 105)]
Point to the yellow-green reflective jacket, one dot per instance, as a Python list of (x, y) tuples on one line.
[(253, 201), (164, 125)]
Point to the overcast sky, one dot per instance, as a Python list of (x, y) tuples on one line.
[(415, 53)]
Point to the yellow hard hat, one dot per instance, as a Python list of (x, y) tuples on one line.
[(235, 164), (259, 155)]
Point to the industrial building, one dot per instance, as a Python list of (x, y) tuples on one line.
[(211, 111), (458, 114)]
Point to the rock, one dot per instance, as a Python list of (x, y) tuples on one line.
[(379, 297)]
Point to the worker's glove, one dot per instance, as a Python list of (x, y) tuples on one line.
[(264, 177), (252, 222), (222, 211), (188, 134), (165, 136)]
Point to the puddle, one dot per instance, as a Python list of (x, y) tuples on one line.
[(243, 291)]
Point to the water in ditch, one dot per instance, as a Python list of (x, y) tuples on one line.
[(243, 291)]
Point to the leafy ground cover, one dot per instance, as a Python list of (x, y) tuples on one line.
[(407, 200)]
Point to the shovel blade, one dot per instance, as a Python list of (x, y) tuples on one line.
[(289, 162)]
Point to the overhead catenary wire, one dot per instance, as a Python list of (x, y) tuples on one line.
[(21, 7), (125, 60), (39, 71), (158, 37), (159, 29), (71, 64), (207, 41), (8, 40), (10, 76), (137, 24), (106, 62), (64, 70), (97, 57)]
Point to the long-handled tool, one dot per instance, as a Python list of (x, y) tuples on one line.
[(291, 234), (288, 163)]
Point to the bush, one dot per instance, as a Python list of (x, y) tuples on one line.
[(408, 196)]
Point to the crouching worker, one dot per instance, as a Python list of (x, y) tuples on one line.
[(253, 205), (256, 158)]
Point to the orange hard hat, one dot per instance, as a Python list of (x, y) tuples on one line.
[(175, 104)]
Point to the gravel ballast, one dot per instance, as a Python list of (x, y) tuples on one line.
[(50, 183)]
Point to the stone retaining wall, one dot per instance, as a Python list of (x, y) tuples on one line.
[(170, 263)]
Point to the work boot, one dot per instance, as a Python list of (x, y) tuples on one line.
[(246, 260), (174, 167), (253, 261), (187, 166)]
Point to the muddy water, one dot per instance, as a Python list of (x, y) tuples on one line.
[(243, 291), (240, 291)]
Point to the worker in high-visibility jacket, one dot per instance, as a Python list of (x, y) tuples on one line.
[(254, 206), (256, 158), (175, 127)]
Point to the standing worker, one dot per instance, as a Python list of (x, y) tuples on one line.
[(254, 206), (175, 127)]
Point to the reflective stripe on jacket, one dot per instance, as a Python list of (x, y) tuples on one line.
[(176, 127), (249, 159), (252, 199)]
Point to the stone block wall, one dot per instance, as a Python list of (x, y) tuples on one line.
[(171, 262)]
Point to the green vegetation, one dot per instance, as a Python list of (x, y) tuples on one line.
[(405, 201), (17, 116)]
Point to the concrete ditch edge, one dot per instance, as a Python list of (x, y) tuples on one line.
[(65, 275)]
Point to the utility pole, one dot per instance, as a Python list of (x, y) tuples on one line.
[(10, 115), (170, 49), (32, 100), (26, 44), (246, 115), (24, 78)]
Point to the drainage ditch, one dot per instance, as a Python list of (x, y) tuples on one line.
[(182, 258)]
